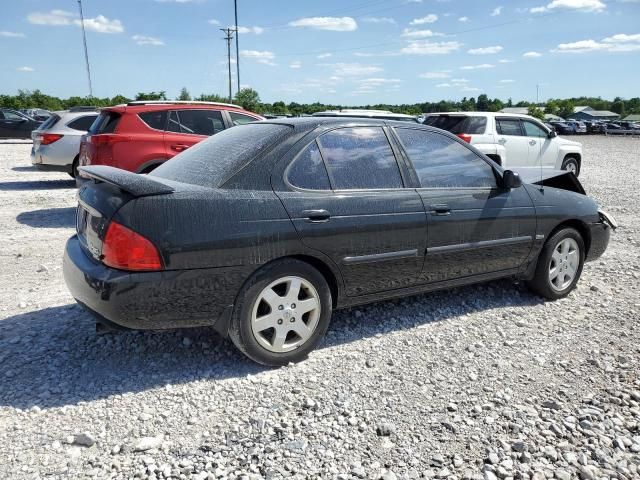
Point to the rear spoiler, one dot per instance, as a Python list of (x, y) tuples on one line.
[(133, 183)]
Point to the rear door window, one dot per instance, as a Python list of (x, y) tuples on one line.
[(196, 122), (308, 170), (458, 123), (82, 123), (509, 126), (441, 162), (51, 121), (360, 158)]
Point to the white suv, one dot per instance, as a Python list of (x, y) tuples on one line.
[(513, 141)]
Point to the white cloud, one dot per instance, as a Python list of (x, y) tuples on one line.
[(620, 42), (531, 55), (582, 5), (213, 21), (264, 57), (144, 40), (431, 75), (256, 30), (409, 33), (496, 11), (379, 20), (25, 69), (485, 50), (443, 85), (431, 18), (324, 55), (296, 64), (504, 60), (336, 24), (425, 47), (459, 80), (463, 19), (354, 69), (507, 80), (99, 24), (482, 66), (4, 33), (470, 89)]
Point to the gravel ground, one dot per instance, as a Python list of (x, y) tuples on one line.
[(479, 382)]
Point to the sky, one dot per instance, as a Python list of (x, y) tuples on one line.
[(351, 52)]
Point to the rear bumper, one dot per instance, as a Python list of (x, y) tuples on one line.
[(148, 300)]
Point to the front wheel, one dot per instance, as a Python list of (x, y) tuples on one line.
[(559, 265), (571, 164), (281, 313)]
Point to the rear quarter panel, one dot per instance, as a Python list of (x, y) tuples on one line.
[(141, 146)]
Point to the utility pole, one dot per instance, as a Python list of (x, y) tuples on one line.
[(537, 94), (86, 52), (228, 37), (235, 6)]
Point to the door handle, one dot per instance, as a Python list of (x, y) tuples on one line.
[(440, 210), (316, 216), (532, 142), (502, 141), (179, 147)]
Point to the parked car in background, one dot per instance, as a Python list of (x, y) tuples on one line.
[(262, 230), (364, 113), (15, 124), (56, 143), (513, 141), (37, 113), (139, 136), (576, 126)]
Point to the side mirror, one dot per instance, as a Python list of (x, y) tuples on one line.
[(552, 134), (511, 179)]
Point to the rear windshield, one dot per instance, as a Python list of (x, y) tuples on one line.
[(105, 123), (213, 161), (458, 123), (49, 122)]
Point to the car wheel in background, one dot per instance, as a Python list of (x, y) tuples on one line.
[(74, 168), (559, 265), (281, 313), (571, 164)]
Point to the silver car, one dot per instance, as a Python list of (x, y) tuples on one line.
[(56, 143)]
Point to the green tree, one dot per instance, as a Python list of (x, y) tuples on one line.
[(184, 96), (536, 112), (552, 107), (482, 105), (618, 107), (248, 99), (279, 108), (212, 97), (565, 108), (161, 95)]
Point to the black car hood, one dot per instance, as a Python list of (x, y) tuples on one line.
[(561, 179)]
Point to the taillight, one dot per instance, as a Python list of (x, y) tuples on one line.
[(125, 249), (49, 138), (105, 139), (465, 137)]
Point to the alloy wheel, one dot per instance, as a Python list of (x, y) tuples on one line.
[(564, 264)]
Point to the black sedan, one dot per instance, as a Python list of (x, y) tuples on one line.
[(14, 124), (262, 230)]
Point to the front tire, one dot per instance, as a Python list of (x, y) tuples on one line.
[(281, 313), (571, 164), (559, 265)]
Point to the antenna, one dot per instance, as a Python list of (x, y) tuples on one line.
[(86, 52), (235, 6), (228, 37)]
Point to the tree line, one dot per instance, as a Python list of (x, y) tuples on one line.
[(249, 99)]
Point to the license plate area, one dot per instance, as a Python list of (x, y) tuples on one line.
[(89, 226)]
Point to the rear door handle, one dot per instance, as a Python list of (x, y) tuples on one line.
[(316, 216), (440, 210), (502, 141), (179, 147), (532, 142)]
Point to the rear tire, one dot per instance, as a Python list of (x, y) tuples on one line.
[(281, 313), (74, 168), (571, 164), (559, 265)]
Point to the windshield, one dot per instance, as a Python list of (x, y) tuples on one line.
[(213, 161)]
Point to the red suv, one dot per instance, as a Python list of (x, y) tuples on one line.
[(139, 136)]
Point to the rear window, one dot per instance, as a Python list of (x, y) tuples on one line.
[(82, 123), (458, 123), (105, 123), (156, 120), (50, 122), (215, 160)]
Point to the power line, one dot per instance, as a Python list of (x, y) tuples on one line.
[(86, 52)]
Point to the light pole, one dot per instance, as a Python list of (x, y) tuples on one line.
[(235, 6), (86, 52)]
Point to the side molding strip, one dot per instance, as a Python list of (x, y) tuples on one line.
[(472, 246), (380, 257)]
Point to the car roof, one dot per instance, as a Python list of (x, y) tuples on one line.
[(481, 114), (357, 113), (135, 107), (301, 124)]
